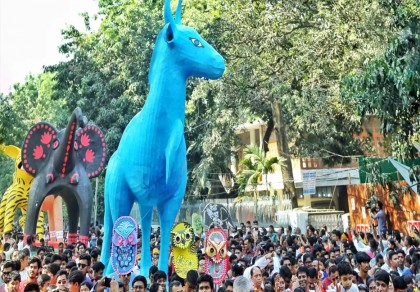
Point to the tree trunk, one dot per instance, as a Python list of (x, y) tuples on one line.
[(283, 149)]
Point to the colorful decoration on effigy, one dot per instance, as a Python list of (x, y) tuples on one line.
[(124, 245), (217, 215), (62, 163), (183, 249), (16, 195), (197, 224), (150, 166), (216, 259)]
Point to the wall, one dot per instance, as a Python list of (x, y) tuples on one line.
[(408, 209)]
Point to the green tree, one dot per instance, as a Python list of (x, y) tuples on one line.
[(256, 166), (388, 87)]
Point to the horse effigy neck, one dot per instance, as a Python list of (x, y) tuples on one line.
[(168, 91)]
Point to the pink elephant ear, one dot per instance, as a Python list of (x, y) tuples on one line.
[(91, 149), (39, 142)]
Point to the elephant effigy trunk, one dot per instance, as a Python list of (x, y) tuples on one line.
[(65, 156)]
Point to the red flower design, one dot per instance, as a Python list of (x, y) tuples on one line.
[(89, 155), (38, 152), (84, 140), (46, 138)]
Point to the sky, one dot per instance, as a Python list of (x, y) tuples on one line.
[(30, 33)]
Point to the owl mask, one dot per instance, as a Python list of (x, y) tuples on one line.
[(216, 259), (183, 248), (124, 245)]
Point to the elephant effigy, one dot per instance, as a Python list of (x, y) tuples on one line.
[(150, 165), (16, 195), (62, 163)]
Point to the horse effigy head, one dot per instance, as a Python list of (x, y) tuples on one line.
[(185, 50)]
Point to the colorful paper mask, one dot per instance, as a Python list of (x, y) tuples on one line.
[(124, 245), (216, 259), (184, 251)]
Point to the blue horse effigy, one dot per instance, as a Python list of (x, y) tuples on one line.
[(150, 165)]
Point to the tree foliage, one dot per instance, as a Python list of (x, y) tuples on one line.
[(388, 87)]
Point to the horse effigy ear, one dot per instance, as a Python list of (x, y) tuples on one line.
[(170, 33), (178, 12), (167, 12)]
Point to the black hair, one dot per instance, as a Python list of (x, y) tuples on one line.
[(141, 279), (362, 257), (237, 270), (192, 276), (98, 266), (85, 256), (285, 272), (399, 283), (303, 269), (205, 278), (76, 276), (31, 287), (382, 275), (159, 275), (154, 287), (53, 268), (152, 271), (252, 269), (312, 273), (344, 268), (87, 284)]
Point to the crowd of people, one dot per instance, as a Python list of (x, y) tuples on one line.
[(261, 259)]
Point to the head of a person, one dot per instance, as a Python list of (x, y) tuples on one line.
[(242, 284), (228, 285), (401, 258), (190, 284), (345, 272), (6, 269), (205, 283), (249, 243), (277, 282), (286, 274), (32, 287), (139, 284), (13, 283), (33, 268), (52, 271), (62, 279), (393, 259), (76, 278), (81, 248), (371, 284), (175, 286), (363, 260), (256, 276), (399, 284), (23, 258), (98, 270), (160, 278), (85, 286), (44, 281), (302, 275), (84, 263), (382, 281)]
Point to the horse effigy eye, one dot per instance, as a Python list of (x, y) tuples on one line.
[(196, 43)]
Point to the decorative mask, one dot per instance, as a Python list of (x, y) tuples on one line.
[(124, 245), (216, 259), (184, 250)]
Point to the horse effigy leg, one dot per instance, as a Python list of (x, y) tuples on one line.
[(118, 202), (145, 223), (168, 211)]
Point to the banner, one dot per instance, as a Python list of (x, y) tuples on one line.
[(217, 215), (309, 182)]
